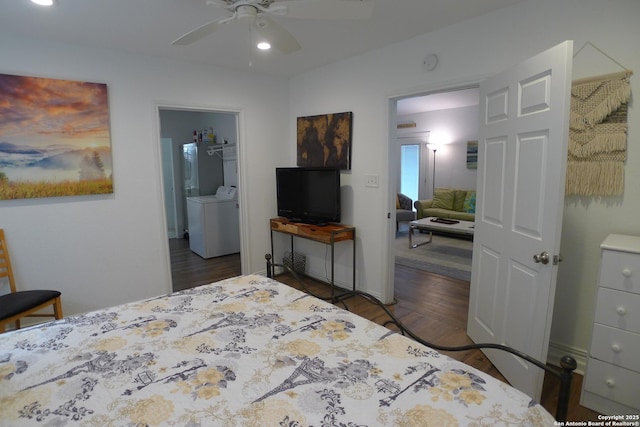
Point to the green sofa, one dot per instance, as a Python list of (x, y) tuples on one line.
[(451, 203)]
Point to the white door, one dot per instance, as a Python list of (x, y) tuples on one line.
[(522, 147)]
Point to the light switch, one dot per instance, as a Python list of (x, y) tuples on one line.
[(372, 180)]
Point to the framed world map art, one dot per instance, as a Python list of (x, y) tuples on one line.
[(325, 140), (54, 138)]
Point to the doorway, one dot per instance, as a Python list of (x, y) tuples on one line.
[(199, 150), (448, 117)]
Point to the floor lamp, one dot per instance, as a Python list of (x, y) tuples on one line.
[(433, 180)]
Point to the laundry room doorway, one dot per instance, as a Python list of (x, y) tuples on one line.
[(199, 150)]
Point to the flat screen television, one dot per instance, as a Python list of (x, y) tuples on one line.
[(309, 194)]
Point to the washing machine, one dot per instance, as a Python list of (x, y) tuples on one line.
[(214, 223)]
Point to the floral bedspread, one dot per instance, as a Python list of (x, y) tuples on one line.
[(247, 351)]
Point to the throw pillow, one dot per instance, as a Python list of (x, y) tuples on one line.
[(458, 200), (443, 198), (397, 202), (470, 202)]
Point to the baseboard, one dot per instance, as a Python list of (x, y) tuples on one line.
[(557, 351), (320, 276)]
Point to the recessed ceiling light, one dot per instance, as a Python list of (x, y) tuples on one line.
[(264, 46), (43, 2)]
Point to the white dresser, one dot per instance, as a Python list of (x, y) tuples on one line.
[(611, 383)]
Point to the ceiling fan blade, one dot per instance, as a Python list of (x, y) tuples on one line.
[(324, 9), (275, 34), (201, 31), (217, 3)]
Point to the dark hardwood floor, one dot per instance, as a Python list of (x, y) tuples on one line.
[(188, 269), (433, 306)]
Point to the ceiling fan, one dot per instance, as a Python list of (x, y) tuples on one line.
[(257, 13)]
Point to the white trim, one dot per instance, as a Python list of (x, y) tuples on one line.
[(391, 170), (245, 259), (557, 351)]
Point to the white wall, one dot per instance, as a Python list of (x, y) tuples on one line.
[(105, 250), (468, 52)]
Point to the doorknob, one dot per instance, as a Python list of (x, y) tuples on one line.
[(542, 257)]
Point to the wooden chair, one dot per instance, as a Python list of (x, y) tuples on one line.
[(16, 305)]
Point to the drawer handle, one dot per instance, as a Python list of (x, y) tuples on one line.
[(626, 272), (621, 311), (610, 383), (616, 348)]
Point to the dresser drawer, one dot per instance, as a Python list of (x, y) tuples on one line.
[(613, 382), (616, 346), (618, 309), (620, 270)]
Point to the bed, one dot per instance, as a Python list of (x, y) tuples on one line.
[(246, 351)]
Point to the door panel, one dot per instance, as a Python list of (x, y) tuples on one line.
[(494, 178), (485, 309), (522, 153), (497, 106), (530, 182), (534, 94)]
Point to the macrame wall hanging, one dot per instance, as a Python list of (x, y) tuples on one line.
[(598, 135)]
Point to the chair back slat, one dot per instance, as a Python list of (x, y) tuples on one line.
[(5, 262)]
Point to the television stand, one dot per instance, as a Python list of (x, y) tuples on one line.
[(328, 234), (300, 221)]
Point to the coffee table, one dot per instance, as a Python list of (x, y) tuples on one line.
[(463, 228)]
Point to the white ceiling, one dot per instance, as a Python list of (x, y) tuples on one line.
[(148, 27)]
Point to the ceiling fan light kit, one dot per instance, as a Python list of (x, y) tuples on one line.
[(246, 13), (257, 13)]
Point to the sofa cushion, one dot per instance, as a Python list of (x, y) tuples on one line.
[(463, 216), (470, 202), (448, 213), (458, 200), (443, 198)]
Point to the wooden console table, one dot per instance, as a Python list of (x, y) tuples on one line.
[(327, 234)]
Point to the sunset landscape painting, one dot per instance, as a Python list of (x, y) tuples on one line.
[(54, 138)]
